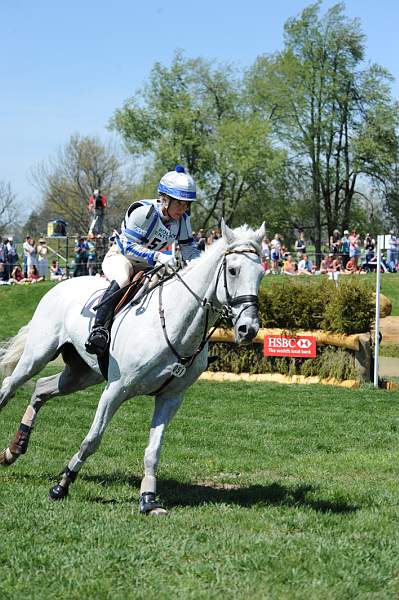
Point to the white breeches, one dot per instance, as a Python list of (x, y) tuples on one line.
[(117, 267)]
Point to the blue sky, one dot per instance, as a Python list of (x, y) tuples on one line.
[(66, 66)]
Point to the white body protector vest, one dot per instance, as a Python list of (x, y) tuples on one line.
[(143, 233)]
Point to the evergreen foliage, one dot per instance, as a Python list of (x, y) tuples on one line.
[(304, 304), (308, 304)]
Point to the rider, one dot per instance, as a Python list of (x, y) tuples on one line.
[(149, 226)]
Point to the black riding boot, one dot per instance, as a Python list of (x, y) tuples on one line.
[(98, 340)]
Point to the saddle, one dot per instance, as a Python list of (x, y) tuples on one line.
[(135, 286)]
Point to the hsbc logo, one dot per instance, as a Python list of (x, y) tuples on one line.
[(303, 343), (294, 346)]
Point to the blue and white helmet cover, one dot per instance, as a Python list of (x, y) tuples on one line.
[(178, 184)]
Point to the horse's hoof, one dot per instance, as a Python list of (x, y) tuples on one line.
[(148, 505), (58, 492), (7, 458), (157, 512)]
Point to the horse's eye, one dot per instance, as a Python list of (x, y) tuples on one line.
[(232, 271)]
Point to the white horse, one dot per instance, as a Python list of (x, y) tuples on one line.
[(158, 347)]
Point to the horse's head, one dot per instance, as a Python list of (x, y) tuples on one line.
[(239, 278)]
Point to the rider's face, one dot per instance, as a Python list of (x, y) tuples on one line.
[(176, 208)]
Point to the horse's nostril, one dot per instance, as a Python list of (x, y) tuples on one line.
[(242, 329)]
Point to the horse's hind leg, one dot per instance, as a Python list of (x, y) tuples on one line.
[(111, 398), (75, 376), (34, 357)]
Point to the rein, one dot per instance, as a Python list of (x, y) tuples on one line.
[(179, 368)]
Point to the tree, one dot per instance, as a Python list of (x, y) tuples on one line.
[(195, 113), (335, 118), (9, 210), (67, 181)]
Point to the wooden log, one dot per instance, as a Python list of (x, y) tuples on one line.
[(350, 342)]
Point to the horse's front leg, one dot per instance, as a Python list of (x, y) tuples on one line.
[(164, 411)]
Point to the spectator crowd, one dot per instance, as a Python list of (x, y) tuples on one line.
[(346, 254)]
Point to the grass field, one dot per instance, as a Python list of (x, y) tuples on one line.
[(275, 492)]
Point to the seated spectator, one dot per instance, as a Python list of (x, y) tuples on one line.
[(289, 266), (351, 267), (323, 266), (337, 265), (33, 274), (56, 273), (17, 275), (305, 266)]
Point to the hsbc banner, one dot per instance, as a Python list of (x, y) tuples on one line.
[(303, 346)]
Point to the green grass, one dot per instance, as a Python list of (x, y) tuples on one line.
[(274, 492), (17, 305)]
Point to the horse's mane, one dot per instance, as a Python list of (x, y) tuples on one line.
[(243, 235)]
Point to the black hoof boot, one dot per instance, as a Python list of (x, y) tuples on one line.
[(58, 492), (149, 506)]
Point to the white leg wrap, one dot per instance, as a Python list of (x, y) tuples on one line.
[(9, 456), (148, 484), (29, 416)]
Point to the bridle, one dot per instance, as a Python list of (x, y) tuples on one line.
[(179, 368), (248, 299)]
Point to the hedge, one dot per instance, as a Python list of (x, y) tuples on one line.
[(295, 304)]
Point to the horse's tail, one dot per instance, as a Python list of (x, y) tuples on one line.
[(11, 351)]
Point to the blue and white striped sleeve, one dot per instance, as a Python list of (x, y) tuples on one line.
[(136, 231)]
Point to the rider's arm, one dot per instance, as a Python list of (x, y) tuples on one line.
[(139, 221), (186, 241)]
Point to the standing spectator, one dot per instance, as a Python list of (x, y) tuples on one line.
[(275, 247), (91, 255), (305, 266), (344, 248), (11, 254), (2, 261), (300, 245), (201, 240), (392, 254), (29, 251), (369, 246), (42, 260), (354, 247), (81, 251), (335, 242), (97, 205)]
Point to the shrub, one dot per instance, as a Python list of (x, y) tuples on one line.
[(309, 304), (330, 362)]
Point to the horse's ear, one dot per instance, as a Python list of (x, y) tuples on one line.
[(260, 233), (227, 233)]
